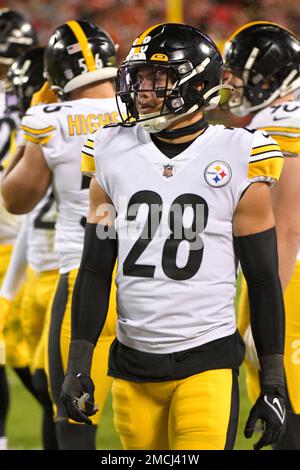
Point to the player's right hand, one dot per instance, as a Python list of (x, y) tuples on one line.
[(78, 397), (43, 96), (270, 408)]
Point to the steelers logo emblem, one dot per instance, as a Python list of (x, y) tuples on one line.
[(217, 174)]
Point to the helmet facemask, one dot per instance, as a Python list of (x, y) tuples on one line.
[(179, 91)]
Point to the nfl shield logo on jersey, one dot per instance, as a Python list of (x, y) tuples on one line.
[(217, 174), (168, 171)]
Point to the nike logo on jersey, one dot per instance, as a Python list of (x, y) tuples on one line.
[(277, 407), (279, 118)]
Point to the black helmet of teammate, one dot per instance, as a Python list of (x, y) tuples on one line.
[(266, 57), (16, 35), (26, 76), (188, 57), (79, 53)]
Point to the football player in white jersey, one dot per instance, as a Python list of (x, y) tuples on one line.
[(262, 61), (179, 193), (35, 249), (16, 35), (80, 62)]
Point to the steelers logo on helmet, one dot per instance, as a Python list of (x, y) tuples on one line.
[(264, 59), (191, 65), (217, 174), (79, 53)]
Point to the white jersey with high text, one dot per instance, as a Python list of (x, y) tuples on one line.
[(176, 276), (61, 130)]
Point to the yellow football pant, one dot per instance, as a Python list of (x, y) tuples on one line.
[(199, 412), (292, 340), (17, 354), (59, 343), (38, 293)]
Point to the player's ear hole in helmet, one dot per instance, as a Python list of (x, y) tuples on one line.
[(79, 53), (263, 60), (192, 67)]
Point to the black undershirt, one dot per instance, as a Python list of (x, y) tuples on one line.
[(170, 150), (137, 366)]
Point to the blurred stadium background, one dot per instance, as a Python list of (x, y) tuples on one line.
[(124, 20)]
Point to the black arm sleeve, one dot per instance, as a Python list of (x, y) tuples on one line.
[(259, 261), (92, 288)]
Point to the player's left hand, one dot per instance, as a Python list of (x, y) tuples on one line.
[(78, 397), (270, 408)]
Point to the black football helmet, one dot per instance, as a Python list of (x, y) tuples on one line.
[(187, 57), (26, 76), (266, 57), (79, 53), (16, 35)]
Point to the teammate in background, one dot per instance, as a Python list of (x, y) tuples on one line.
[(35, 248), (189, 191), (262, 61), (80, 62), (16, 35)]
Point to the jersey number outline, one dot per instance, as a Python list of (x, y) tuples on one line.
[(171, 245), (38, 221)]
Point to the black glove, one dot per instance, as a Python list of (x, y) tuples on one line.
[(77, 396), (270, 408), (77, 392)]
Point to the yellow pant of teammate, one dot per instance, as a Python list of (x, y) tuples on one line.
[(38, 294), (59, 342), (17, 354), (292, 340), (199, 412)]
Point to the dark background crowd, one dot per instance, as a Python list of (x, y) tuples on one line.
[(126, 19)]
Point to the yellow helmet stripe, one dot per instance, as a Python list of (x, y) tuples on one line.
[(81, 38), (141, 38), (254, 23)]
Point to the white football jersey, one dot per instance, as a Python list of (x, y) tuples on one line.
[(61, 130), (176, 284), (282, 122), (41, 254)]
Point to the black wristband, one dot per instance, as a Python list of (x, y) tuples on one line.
[(80, 357), (272, 374)]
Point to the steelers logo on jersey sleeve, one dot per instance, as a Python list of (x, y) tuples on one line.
[(217, 174)]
